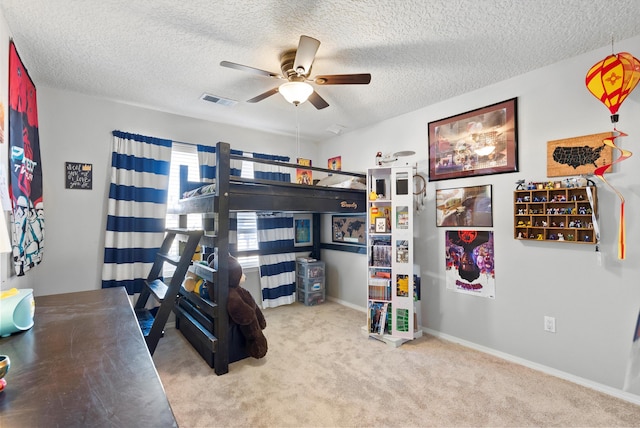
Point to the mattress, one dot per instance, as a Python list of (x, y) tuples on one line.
[(335, 181)]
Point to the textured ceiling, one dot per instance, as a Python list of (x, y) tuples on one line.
[(165, 54)]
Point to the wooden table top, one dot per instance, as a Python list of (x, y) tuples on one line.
[(83, 363)]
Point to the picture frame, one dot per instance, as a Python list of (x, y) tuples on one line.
[(335, 163), (479, 142), (381, 225), (303, 230), (464, 206), (349, 229)]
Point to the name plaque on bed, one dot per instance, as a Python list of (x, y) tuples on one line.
[(347, 204)]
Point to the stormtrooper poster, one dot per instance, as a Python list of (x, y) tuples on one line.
[(25, 177), (470, 267)]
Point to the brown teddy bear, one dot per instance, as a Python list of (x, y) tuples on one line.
[(244, 311)]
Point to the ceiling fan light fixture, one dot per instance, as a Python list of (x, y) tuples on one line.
[(296, 92)]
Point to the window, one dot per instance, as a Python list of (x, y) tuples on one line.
[(182, 154), (247, 235)]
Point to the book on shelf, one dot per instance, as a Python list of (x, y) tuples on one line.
[(383, 318), (402, 285), (402, 251), (379, 289), (381, 255), (402, 217), (378, 317), (379, 217), (381, 273), (386, 213)]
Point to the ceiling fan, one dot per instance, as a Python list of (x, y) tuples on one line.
[(296, 69)]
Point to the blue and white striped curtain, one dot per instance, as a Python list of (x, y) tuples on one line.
[(136, 210), (207, 162), (271, 172), (277, 271), (235, 165)]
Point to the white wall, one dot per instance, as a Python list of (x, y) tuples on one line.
[(595, 305), (78, 128)]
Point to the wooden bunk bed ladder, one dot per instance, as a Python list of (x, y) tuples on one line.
[(153, 326)]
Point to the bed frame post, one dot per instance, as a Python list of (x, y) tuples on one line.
[(223, 172), (316, 219)]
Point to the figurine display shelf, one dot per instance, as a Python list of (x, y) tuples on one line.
[(565, 214)]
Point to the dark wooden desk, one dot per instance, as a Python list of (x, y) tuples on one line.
[(84, 363)]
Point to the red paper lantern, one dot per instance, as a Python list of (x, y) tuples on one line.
[(612, 79)]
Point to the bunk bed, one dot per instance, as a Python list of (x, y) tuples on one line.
[(205, 322)]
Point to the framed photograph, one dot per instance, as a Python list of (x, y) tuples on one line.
[(381, 225), (349, 229), (479, 142), (464, 206)]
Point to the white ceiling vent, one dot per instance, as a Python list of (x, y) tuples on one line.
[(336, 129), (218, 100)]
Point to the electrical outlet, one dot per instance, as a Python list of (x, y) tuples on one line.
[(549, 324)]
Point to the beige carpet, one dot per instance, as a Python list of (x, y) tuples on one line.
[(321, 371)]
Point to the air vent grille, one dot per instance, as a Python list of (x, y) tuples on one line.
[(218, 100)]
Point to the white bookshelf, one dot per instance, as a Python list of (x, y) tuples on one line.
[(392, 300)]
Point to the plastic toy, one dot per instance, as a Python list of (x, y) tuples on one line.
[(5, 363)]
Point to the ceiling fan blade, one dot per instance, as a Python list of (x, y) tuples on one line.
[(249, 69), (263, 95), (317, 101), (343, 79), (306, 53)]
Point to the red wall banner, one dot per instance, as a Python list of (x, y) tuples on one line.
[(25, 177)]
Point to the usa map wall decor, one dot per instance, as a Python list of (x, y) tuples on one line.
[(578, 155)]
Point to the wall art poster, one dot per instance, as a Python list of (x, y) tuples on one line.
[(479, 142), (304, 176), (349, 229), (335, 163), (302, 227), (25, 178), (469, 262), (464, 206)]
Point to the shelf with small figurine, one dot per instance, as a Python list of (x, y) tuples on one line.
[(561, 211)]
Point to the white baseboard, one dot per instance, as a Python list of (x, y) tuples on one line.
[(347, 304), (632, 398), (614, 392)]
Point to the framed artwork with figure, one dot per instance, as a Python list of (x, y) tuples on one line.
[(464, 206), (479, 142)]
